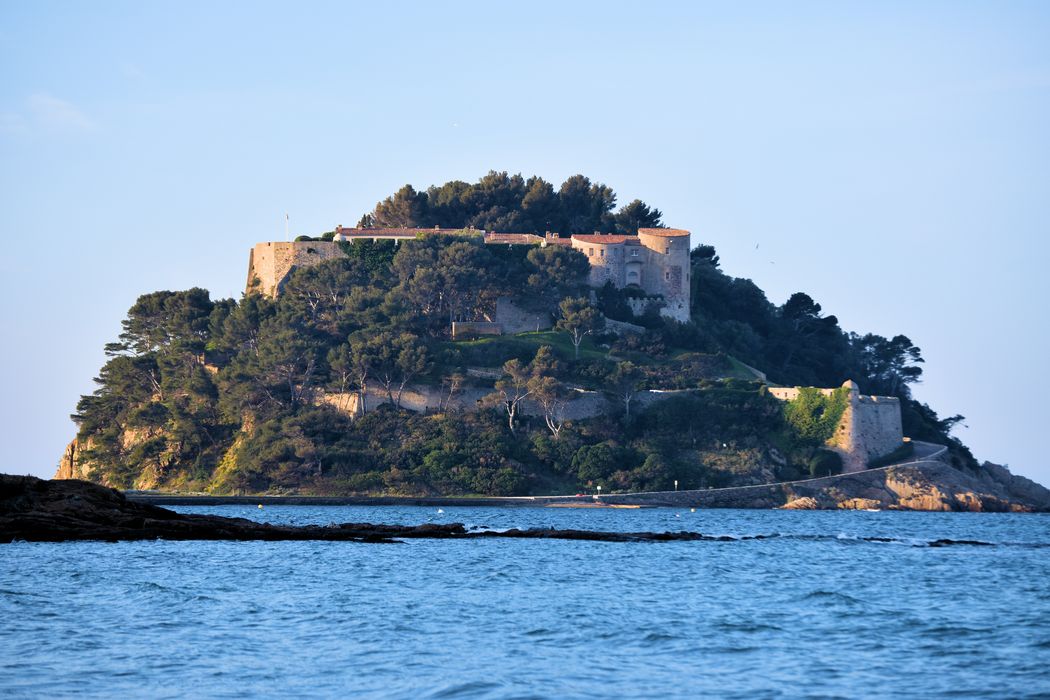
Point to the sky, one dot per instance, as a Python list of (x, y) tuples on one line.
[(890, 159)]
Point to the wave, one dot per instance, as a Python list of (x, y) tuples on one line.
[(466, 690)]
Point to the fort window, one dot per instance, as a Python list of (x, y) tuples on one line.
[(667, 249), (590, 251), (601, 253)]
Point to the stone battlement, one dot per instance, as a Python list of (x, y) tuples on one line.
[(870, 426), (655, 261), (269, 264)]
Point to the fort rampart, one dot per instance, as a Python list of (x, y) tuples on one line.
[(269, 264), (870, 426)]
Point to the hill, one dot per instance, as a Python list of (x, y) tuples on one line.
[(309, 391)]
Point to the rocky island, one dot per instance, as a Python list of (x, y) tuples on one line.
[(507, 338)]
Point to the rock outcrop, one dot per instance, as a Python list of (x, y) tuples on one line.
[(931, 485), (35, 510), (71, 466)]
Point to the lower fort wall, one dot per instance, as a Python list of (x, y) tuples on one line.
[(870, 426), (875, 430), (422, 399), (471, 329)]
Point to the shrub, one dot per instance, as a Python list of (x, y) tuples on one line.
[(814, 416), (825, 463)]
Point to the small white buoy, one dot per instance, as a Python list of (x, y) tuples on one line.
[(260, 505), (692, 510), (440, 511), (677, 515)]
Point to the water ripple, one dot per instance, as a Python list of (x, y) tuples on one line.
[(784, 605)]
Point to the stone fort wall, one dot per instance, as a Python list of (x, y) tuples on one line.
[(426, 399), (870, 426), (875, 430), (270, 263), (657, 264)]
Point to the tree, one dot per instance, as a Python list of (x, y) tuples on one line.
[(448, 203), (636, 215), (405, 209), (586, 206), (807, 345), (623, 385), (579, 319), (513, 388), (547, 391), (162, 319), (496, 202), (704, 254), (446, 278), (361, 364), (343, 372), (551, 395), (597, 462), (556, 272), (239, 330), (454, 382), (283, 372), (540, 205), (392, 359), (322, 296), (887, 366)]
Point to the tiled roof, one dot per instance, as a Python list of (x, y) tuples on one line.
[(664, 232), (400, 232), (558, 241), (605, 238)]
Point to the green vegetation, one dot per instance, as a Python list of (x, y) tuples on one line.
[(813, 416), (251, 395), (825, 463), (510, 203)]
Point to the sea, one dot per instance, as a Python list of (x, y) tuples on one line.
[(824, 605)]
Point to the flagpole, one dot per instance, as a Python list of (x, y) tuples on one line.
[(286, 227)]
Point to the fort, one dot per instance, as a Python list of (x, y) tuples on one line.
[(655, 262), (870, 426)]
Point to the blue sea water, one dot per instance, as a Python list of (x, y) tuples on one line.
[(817, 611)]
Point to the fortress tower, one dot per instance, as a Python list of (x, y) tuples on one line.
[(655, 261)]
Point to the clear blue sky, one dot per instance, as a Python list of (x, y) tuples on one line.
[(890, 159)]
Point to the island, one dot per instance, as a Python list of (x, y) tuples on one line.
[(507, 338)]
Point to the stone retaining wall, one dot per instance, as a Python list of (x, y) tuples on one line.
[(425, 399)]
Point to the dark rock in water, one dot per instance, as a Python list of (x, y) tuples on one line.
[(35, 510)]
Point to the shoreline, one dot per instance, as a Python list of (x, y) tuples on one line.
[(171, 499), (924, 485)]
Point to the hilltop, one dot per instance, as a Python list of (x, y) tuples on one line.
[(510, 351)]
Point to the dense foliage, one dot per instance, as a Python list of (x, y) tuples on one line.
[(510, 203), (252, 395), (814, 416)]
